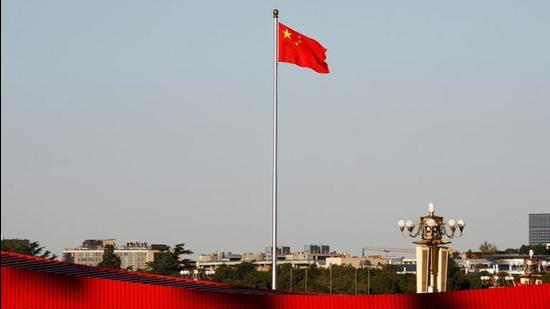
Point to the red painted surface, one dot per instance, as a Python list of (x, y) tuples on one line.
[(26, 288)]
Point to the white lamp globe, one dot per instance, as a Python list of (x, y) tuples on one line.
[(401, 223), (431, 207)]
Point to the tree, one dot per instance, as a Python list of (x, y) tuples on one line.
[(537, 249), (487, 248), (170, 262), (387, 281), (456, 278), (110, 259), (24, 246), (243, 274)]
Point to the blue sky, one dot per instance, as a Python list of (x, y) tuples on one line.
[(151, 121)]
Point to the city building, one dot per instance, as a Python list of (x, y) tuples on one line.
[(403, 269), (134, 255), (220, 257), (539, 229), (253, 256), (409, 261), (319, 255), (313, 255), (317, 249), (280, 251), (474, 265), (354, 261), (377, 260), (512, 264)]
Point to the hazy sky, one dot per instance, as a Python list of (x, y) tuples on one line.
[(151, 120)]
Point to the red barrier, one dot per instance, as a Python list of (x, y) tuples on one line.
[(38, 283)]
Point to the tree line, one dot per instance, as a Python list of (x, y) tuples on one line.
[(338, 279), (343, 279)]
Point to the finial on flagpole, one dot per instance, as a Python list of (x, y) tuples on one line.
[(275, 13)]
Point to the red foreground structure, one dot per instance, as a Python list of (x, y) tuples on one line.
[(31, 282)]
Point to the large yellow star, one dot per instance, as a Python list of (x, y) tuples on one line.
[(286, 34)]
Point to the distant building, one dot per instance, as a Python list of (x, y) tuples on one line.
[(319, 255), (317, 249), (539, 229), (208, 257), (403, 269), (283, 250), (512, 264), (133, 254), (354, 261), (400, 265), (262, 260), (219, 257), (97, 243), (253, 256)]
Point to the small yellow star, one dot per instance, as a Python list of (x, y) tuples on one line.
[(287, 34)]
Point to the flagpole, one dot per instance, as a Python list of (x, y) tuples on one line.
[(275, 120)]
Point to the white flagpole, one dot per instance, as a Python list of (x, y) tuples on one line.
[(275, 119)]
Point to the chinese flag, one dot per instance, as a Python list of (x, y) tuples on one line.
[(297, 48)]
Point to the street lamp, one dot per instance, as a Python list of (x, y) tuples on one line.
[(430, 255), (196, 273), (305, 284), (496, 281), (532, 270), (330, 274), (366, 264), (431, 228), (209, 272), (291, 277)]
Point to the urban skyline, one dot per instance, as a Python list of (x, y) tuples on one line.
[(537, 222), (404, 251)]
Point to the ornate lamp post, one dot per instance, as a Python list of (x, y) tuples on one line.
[(495, 281), (531, 269), (431, 257), (197, 273)]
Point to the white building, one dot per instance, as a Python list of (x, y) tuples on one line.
[(134, 254)]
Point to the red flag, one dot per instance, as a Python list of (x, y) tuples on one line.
[(297, 48)]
